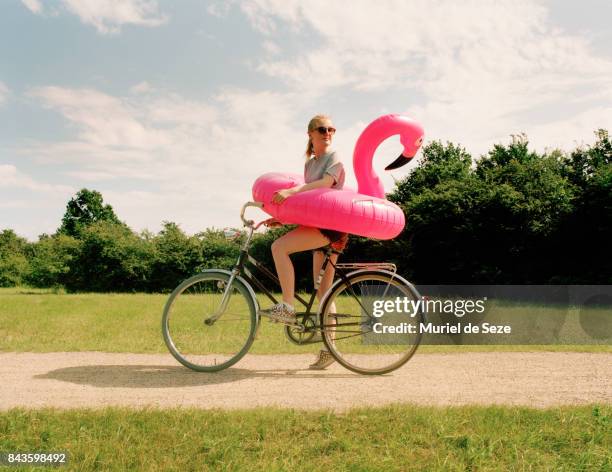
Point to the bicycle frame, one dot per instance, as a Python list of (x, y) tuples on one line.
[(337, 318), (241, 270)]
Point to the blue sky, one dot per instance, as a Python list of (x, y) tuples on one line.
[(172, 109)]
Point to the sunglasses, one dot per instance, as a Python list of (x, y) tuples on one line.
[(324, 130)]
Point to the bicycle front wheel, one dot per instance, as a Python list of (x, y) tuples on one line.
[(366, 321), (207, 325)]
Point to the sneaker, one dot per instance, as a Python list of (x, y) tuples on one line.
[(324, 360), (280, 313)]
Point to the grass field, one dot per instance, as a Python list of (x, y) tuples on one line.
[(401, 437), (390, 438), (44, 321)]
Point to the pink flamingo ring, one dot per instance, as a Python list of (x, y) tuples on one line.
[(365, 212)]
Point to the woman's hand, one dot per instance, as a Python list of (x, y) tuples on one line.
[(282, 195), (272, 223)]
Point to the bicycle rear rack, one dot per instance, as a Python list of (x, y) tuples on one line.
[(368, 265)]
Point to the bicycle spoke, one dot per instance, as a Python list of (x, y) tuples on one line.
[(354, 343), (213, 346)]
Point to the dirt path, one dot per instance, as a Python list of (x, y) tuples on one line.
[(94, 379)]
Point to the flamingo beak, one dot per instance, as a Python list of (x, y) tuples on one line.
[(399, 162)]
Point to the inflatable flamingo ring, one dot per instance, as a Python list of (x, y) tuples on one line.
[(365, 212)]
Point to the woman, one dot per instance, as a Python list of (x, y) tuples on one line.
[(322, 169)]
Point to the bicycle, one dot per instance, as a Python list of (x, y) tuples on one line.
[(211, 319)]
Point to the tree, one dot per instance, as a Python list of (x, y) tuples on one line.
[(440, 163), (176, 257), (217, 250), (85, 208), (586, 235), (496, 223), (13, 261), (584, 162), (50, 259), (435, 198), (544, 194), (112, 258)]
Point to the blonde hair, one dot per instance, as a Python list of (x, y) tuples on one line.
[(313, 124)]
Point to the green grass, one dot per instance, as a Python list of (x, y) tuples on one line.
[(46, 321), (391, 438), (400, 437)]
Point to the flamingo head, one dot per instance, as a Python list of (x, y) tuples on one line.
[(411, 139)]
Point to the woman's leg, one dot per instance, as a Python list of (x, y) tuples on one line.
[(324, 358), (328, 277), (300, 239)]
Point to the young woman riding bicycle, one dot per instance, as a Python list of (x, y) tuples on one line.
[(322, 169)]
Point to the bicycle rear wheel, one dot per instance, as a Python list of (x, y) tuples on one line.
[(193, 337), (357, 338)]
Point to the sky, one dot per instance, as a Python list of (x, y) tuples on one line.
[(172, 109)]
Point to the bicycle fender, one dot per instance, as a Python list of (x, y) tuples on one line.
[(361, 271), (243, 282)]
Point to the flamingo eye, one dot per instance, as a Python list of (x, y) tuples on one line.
[(419, 141)]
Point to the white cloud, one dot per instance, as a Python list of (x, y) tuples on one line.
[(15, 204), (183, 158), (571, 131), (90, 176), (103, 120), (141, 87), (107, 16), (10, 177), (172, 108), (471, 73), (4, 93), (271, 47), (33, 5), (219, 9), (28, 205), (476, 67)]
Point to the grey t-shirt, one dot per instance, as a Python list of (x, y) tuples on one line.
[(328, 163)]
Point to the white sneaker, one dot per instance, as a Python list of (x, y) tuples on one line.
[(324, 360), (280, 312)]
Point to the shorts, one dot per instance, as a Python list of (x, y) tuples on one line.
[(337, 239)]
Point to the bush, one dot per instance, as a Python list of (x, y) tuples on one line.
[(50, 260), (176, 257), (490, 224), (515, 216), (112, 259), (217, 251), (13, 261), (584, 240)]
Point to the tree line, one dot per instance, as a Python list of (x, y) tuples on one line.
[(513, 216)]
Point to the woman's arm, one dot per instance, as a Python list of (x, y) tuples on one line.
[(326, 182)]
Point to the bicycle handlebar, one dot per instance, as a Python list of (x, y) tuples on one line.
[(244, 207)]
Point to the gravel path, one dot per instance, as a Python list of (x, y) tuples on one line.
[(96, 379)]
